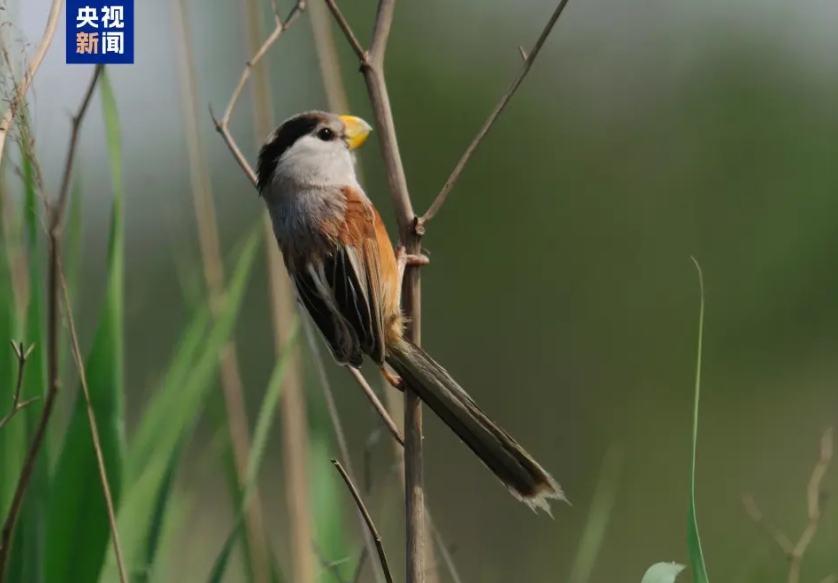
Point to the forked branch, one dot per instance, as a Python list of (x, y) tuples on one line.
[(814, 499), (222, 125), (17, 404)]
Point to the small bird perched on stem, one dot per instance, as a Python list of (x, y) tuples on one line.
[(349, 277)]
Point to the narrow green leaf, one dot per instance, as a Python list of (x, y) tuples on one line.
[(145, 511), (697, 565), (662, 573), (326, 496), (220, 564), (156, 527), (173, 411), (156, 416), (598, 516), (276, 572), (187, 382), (267, 413), (77, 525)]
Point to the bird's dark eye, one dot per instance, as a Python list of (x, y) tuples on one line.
[(326, 135)]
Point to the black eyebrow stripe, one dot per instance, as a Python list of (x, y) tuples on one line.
[(285, 136)]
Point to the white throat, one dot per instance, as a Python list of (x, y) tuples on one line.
[(314, 163)]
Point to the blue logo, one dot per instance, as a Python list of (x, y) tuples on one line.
[(100, 32)]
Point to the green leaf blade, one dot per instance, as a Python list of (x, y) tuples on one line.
[(696, 554), (662, 573)]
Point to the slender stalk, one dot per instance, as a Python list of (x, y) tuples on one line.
[(54, 213), (359, 502), (231, 382), (528, 59), (94, 428)]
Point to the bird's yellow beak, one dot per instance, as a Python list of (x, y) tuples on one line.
[(356, 130)]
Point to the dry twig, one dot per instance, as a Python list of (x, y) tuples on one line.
[(528, 59), (382, 556), (55, 216), (17, 404), (377, 405), (223, 125), (795, 551), (94, 429)]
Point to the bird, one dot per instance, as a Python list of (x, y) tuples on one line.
[(348, 276)]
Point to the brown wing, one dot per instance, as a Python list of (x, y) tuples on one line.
[(343, 289)]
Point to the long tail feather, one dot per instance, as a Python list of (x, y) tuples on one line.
[(510, 463)]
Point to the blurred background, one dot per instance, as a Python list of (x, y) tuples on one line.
[(561, 292)]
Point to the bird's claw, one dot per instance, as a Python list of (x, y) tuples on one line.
[(403, 259), (396, 381)]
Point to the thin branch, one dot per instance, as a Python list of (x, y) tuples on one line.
[(360, 566), (53, 375), (23, 88), (347, 31), (64, 191), (795, 551), (381, 31), (813, 496), (330, 71), (17, 405), (222, 125), (94, 429), (444, 550), (330, 566), (377, 405), (382, 556), (490, 121)]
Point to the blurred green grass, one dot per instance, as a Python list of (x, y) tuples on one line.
[(63, 530)]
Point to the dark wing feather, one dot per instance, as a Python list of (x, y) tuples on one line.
[(356, 297), (316, 293)]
